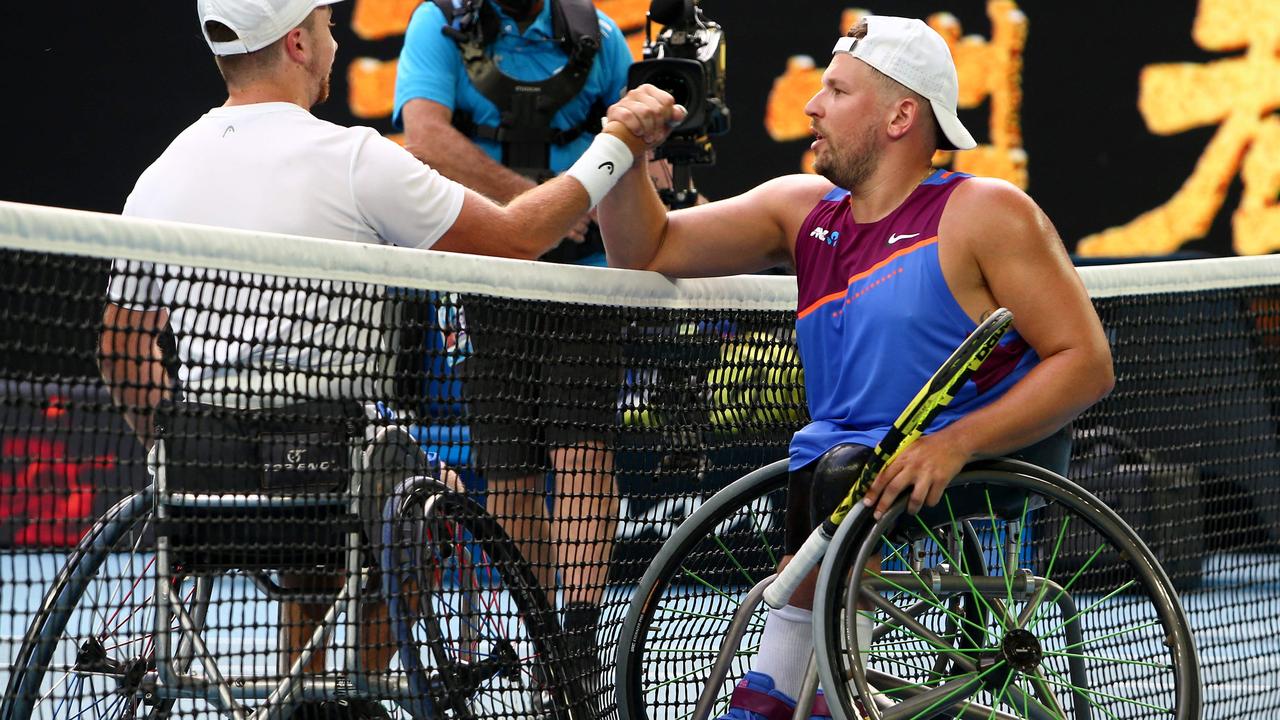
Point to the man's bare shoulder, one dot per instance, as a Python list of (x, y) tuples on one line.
[(801, 186), (791, 197), (990, 200), (990, 210)]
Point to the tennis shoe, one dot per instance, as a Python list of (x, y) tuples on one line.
[(756, 698)]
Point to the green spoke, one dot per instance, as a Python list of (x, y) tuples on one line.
[(1108, 636), (893, 549), (705, 583), (927, 671), (733, 558), (904, 687), (950, 613), (995, 697), (1107, 696), (943, 550), (877, 650), (1004, 565), (764, 541), (936, 603), (1067, 681), (1065, 588), (1092, 606), (965, 685), (1118, 661), (1053, 560), (1039, 684), (923, 633)]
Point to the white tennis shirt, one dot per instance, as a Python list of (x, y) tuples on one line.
[(274, 167)]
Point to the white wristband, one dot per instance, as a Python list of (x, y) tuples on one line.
[(601, 166)]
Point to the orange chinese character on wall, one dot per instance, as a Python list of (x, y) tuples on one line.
[(1239, 94), (988, 69)]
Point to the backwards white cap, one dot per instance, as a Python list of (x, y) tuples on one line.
[(912, 53), (256, 23)]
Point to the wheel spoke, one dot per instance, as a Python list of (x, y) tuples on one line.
[(920, 630), (733, 558), (943, 550), (936, 603), (1090, 608)]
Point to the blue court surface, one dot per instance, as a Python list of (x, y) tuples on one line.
[(1235, 615)]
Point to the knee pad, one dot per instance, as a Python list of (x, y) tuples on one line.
[(833, 475)]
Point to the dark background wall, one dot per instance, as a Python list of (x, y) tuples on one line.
[(95, 92)]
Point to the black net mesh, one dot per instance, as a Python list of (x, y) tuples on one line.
[(418, 498)]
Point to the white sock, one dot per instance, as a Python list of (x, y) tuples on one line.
[(865, 627), (785, 647)]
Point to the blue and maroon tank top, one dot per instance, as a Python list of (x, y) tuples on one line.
[(876, 318)]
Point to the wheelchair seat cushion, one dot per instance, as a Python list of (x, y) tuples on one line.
[(302, 450)]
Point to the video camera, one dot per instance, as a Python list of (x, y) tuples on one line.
[(686, 60)]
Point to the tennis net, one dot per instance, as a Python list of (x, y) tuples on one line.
[(285, 370)]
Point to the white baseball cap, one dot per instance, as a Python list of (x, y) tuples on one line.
[(912, 53), (256, 23)]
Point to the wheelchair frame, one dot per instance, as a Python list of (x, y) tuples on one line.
[(835, 661), (165, 678)]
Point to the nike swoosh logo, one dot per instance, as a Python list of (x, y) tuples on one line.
[(895, 238)]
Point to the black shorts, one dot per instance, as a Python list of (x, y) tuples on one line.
[(538, 380), (1052, 453)]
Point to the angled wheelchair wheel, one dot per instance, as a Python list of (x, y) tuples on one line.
[(90, 650), (685, 613), (1078, 620), (476, 634)]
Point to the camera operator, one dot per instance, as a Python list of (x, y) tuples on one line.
[(501, 95), (686, 60)]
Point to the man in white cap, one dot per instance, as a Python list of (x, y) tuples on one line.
[(896, 262), (263, 162)]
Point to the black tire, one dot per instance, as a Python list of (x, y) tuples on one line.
[(730, 543), (476, 634), (1105, 637)]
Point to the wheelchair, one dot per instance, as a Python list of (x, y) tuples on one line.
[(149, 618), (1019, 596)]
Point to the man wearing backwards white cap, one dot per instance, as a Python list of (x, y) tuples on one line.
[(895, 263), (263, 162)]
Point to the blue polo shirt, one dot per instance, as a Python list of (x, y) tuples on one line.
[(431, 68)]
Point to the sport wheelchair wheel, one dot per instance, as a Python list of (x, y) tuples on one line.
[(476, 634), (90, 650), (1082, 622), (685, 604)]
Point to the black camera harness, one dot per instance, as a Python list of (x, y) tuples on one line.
[(527, 108)]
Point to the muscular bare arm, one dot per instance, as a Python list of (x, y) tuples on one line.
[(746, 233), (130, 362), (1012, 257), (532, 223), (753, 231)]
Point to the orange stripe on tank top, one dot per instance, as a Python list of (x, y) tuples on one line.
[(841, 293)]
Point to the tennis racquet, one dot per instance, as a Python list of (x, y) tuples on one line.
[(910, 425)]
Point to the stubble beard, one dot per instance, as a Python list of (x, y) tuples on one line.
[(323, 93), (322, 78), (850, 169)]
